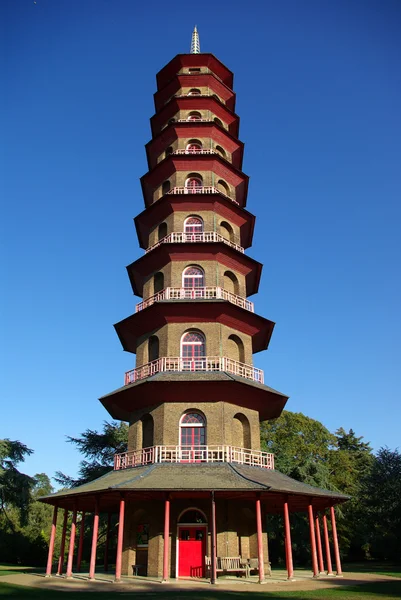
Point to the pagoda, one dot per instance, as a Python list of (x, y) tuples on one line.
[(193, 487)]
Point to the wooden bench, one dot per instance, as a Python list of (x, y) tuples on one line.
[(228, 564)]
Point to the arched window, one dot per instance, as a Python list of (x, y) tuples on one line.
[(158, 282), (193, 278), (221, 151), (194, 92), (161, 231), (193, 184), (235, 348), (226, 230), (231, 283), (194, 146), (194, 116), (218, 122), (147, 431), (166, 187), (192, 515), (193, 225), (241, 431), (169, 151), (153, 348), (223, 187), (192, 430), (192, 348)]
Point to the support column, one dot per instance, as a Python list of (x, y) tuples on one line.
[(166, 543), (92, 564), (288, 546), (51, 543), (81, 542), (62, 545), (72, 543), (335, 542), (213, 572), (319, 544), (327, 546), (120, 538), (260, 541), (106, 546), (313, 541)]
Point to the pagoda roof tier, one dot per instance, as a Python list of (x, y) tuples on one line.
[(227, 480), (182, 61), (195, 103), (178, 386), (188, 129), (194, 311), (190, 80), (216, 251), (195, 162), (224, 207)]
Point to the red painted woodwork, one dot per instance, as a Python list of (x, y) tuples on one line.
[(62, 544), (209, 80), (95, 530), (313, 541), (81, 542), (213, 542), (170, 70), (327, 546), (288, 545), (191, 550), (335, 542), (72, 544), (51, 543), (166, 539), (319, 544), (120, 538), (259, 532), (170, 203)]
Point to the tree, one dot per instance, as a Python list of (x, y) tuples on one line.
[(301, 446), (381, 505), (100, 448), (15, 487)]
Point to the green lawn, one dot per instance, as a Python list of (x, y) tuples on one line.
[(379, 568), (388, 590), (13, 569)]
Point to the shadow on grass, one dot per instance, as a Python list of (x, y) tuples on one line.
[(387, 590)]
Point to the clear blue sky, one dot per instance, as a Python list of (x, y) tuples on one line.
[(319, 93)]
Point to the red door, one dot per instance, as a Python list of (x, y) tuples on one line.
[(191, 551)]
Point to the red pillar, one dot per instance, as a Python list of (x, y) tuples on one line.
[(313, 541), (335, 542), (166, 542), (213, 571), (62, 545), (51, 543), (106, 546), (327, 545), (319, 544), (92, 564), (72, 543), (81, 542), (260, 541), (288, 547), (120, 538)]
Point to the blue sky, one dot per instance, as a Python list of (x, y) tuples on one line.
[(319, 93)]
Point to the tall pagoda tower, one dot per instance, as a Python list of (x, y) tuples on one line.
[(193, 485)]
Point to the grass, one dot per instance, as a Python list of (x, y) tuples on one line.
[(14, 569), (378, 568), (388, 590)]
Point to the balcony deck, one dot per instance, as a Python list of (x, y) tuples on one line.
[(179, 237), (202, 293), (189, 365), (209, 189), (194, 454)]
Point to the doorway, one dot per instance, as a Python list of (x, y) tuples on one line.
[(191, 550)]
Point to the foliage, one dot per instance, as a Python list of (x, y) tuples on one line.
[(381, 505), (15, 487), (100, 448)]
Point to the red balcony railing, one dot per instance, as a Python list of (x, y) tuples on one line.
[(190, 238), (208, 189), (203, 293), (193, 454), (168, 364)]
